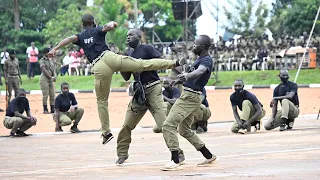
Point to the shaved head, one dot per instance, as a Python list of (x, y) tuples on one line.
[(87, 20), (205, 40), (284, 73), (136, 32)]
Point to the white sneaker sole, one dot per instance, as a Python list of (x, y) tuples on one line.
[(171, 169), (209, 164)]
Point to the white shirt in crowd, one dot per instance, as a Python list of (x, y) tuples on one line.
[(4, 56), (68, 60)]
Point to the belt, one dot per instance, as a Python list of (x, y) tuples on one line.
[(191, 90), (13, 76), (98, 58), (150, 84)]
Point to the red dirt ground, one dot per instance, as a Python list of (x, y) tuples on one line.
[(218, 101)]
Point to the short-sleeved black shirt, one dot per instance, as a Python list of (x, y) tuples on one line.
[(205, 101), (282, 90), (16, 105), (236, 99), (63, 103), (93, 42), (174, 93), (198, 83), (146, 52)]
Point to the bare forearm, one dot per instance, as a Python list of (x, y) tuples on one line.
[(274, 110), (17, 114), (195, 74), (63, 43), (255, 116), (237, 117), (28, 113), (57, 116)]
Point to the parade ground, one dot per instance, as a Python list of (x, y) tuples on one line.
[(262, 155)]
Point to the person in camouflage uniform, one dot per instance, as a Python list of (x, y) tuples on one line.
[(12, 74)]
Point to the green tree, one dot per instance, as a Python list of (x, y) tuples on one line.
[(167, 28), (66, 23), (243, 18), (301, 19), (114, 10)]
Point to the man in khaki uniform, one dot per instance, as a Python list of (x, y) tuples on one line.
[(15, 120), (47, 79), (12, 74), (182, 112), (176, 52), (105, 63)]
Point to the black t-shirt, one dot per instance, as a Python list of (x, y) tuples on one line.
[(198, 83), (16, 105), (174, 93), (205, 101), (281, 90), (93, 42), (146, 52), (63, 103), (236, 100)]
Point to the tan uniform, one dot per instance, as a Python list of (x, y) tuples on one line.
[(12, 73), (46, 83)]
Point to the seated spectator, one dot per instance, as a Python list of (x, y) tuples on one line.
[(15, 120), (65, 63)]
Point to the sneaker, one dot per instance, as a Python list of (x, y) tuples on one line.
[(242, 131), (257, 127), (182, 159), (209, 162), (74, 129), (106, 138), (121, 160), (199, 130), (20, 133), (171, 166), (46, 112), (282, 127)]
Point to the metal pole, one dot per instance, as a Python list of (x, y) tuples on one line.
[(217, 65), (135, 14), (153, 22), (305, 50)]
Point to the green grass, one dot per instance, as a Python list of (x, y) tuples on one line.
[(307, 76)]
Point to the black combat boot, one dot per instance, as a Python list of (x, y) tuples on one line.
[(45, 109), (74, 129), (52, 109)]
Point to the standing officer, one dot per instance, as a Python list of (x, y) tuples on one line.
[(252, 111), (15, 120), (175, 53), (105, 63), (150, 83), (47, 79), (183, 110), (12, 74), (287, 94), (67, 110)]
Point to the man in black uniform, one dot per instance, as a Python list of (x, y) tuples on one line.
[(252, 111), (150, 82), (287, 94), (67, 110), (15, 120), (105, 63), (183, 111)]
